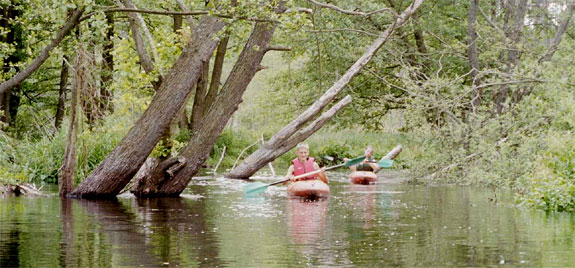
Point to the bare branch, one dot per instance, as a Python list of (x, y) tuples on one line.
[(342, 30), (487, 19), (349, 12), (299, 9), (170, 13), (278, 48)]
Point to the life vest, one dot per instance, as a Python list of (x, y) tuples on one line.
[(304, 168)]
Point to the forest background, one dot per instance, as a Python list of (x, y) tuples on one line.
[(477, 92)]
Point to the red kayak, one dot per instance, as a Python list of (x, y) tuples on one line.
[(363, 177), (310, 189)]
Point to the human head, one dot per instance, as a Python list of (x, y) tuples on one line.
[(302, 151), (368, 151)]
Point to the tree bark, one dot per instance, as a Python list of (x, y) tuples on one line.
[(254, 162), (118, 168), (200, 145), (68, 170), (72, 21), (513, 33), (472, 54), (199, 99), (108, 72), (61, 108), (216, 73)]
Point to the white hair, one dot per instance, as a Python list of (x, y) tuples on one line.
[(302, 145)]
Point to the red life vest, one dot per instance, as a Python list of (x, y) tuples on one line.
[(304, 168)]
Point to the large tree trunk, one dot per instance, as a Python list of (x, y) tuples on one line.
[(199, 99), (267, 152), (200, 145), (118, 168), (472, 54), (514, 35), (72, 21)]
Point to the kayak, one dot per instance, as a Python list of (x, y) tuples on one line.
[(309, 189), (363, 177)]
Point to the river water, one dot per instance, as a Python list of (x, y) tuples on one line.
[(214, 225)]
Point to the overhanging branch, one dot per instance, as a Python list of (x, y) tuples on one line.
[(349, 12)]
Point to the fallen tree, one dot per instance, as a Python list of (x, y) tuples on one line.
[(290, 135)]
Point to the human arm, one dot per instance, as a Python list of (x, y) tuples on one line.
[(290, 171), (315, 166)]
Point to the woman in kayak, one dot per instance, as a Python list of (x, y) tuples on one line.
[(368, 164), (303, 164)]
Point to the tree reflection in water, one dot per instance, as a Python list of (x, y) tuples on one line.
[(151, 232)]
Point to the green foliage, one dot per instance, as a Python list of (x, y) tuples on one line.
[(550, 183), (236, 144)]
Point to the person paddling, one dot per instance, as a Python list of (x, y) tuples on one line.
[(303, 164), (369, 164)]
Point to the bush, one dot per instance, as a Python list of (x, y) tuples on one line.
[(550, 184)]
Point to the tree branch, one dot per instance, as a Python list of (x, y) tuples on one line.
[(72, 21), (278, 48), (349, 12), (170, 13), (341, 30)]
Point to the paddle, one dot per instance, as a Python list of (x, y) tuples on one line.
[(384, 163), (259, 187)]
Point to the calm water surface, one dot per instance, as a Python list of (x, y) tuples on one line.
[(214, 225)]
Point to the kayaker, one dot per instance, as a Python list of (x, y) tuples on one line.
[(303, 164), (369, 164)]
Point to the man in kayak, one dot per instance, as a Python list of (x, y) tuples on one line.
[(303, 164), (369, 164)]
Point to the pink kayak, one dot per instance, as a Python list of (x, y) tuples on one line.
[(363, 177), (311, 189)]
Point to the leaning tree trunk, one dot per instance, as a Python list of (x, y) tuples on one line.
[(285, 137), (118, 168), (226, 103)]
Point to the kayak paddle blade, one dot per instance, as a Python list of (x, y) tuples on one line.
[(328, 158), (255, 188), (385, 163), (355, 161)]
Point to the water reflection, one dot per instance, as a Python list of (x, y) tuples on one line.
[(121, 230), (180, 227), (306, 219), (357, 226)]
